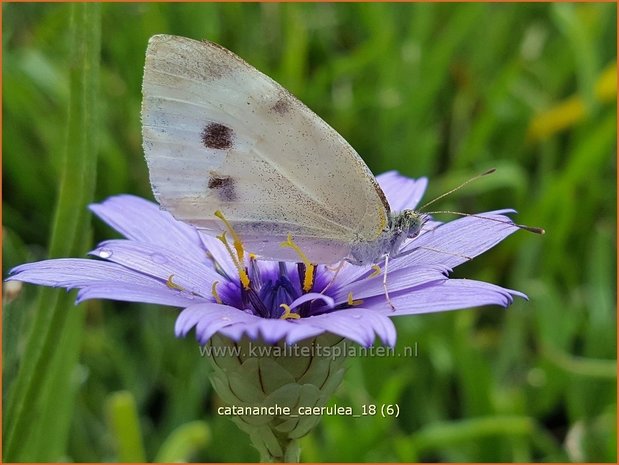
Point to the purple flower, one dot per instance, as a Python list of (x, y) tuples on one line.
[(168, 262)]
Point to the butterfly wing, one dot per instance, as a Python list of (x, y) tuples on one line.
[(220, 135)]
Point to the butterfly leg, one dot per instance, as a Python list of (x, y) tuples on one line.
[(385, 283), (308, 279), (336, 271)]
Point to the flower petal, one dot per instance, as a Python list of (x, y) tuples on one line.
[(77, 272), (231, 322), (143, 221), (313, 296), (160, 262), (273, 330), (457, 241), (451, 294), (220, 255), (402, 279), (402, 192), (208, 318), (146, 294), (361, 325), (100, 279)]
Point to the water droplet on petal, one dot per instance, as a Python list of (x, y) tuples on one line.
[(225, 318), (357, 316), (158, 258), (105, 253)]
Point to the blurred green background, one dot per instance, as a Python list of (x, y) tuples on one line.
[(438, 90)]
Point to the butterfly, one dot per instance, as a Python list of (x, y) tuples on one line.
[(220, 136)]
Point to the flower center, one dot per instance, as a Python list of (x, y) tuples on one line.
[(274, 294), (265, 294)]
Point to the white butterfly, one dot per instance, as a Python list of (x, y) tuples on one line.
[(220, 135)]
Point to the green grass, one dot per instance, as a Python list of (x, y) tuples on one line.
[(444, 91)]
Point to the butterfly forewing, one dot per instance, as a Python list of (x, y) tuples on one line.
[(220, 135)]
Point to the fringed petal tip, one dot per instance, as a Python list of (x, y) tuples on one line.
[(451, 294), (359, 325)]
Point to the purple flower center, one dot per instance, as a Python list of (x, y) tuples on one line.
[(274, 294), (272, 288)]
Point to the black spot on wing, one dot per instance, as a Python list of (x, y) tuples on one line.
[(223, 185), (217, 136), (282, 106)]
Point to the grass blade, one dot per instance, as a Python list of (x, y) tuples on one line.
[(69, 236)]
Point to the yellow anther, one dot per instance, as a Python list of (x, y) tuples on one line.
[(214, 292), (172, 285), (308, 279), (253, 256), (238, 245), (352, 302), (290, 243), (288, 315), (377, 271), (239, 265)]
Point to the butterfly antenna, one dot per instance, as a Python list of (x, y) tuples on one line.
[(524, 227), (474, 178)]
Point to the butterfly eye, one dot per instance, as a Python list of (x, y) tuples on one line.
[(412, 234), (408, 223)]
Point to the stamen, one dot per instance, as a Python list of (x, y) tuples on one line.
[(283, 269), (254, 272), (302, 270), (239, 265), (352, 302), (377, 271), (238, 245), (254, 299), (308, 279), (172, 285), (214, 292), (288, 315), (303, 276)]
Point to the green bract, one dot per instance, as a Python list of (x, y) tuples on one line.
[(252, 375)]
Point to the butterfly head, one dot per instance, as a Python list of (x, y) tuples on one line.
[(407, 223), (403, 225)]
